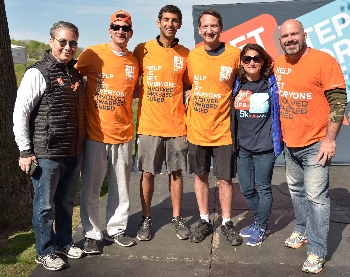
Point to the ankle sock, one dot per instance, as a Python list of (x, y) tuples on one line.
[(224, 220), (205, 217)]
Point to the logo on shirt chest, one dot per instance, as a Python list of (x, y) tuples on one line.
[(225, 73), (129, 72), (178, 63), (60, 81)]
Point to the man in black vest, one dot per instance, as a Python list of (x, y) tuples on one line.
[(49, 131)]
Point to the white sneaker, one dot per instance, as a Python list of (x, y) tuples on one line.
[(51, 261), (70, 251)]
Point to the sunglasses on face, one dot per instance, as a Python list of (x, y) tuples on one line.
[(247, 59), (117, 27), (63, 43)]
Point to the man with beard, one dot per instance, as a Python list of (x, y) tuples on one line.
[(313, 99), (112, 74)]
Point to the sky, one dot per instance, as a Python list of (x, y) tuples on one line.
[(33, 19)]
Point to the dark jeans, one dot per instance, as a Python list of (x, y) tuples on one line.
[(55, 184), (255, 169)]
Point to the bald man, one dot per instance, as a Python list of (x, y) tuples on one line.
[(313, 99)]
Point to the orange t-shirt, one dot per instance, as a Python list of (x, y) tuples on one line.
[(111, 80), (304, 106), (161, 108), (208, 115)]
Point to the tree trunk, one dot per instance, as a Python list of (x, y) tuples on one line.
[(16, 191)]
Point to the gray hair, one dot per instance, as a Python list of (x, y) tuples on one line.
[(63, 25)]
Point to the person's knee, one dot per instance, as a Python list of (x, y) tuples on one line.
[(203, 177), (317, 197), (249, 192), (265, 190), (175, 175), (223, 182), (148, 177)]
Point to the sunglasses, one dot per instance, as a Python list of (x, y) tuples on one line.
[(248, 59), (117, 27), (63, 43)]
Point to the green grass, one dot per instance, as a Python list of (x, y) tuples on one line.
[(17, 252), (19, 71), (17, 255)]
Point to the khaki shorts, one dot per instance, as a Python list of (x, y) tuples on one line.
[(199, 160), (152, 151)]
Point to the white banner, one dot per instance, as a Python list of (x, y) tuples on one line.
[(19, 54)]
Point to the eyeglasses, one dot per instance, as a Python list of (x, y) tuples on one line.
[(248, 59), (125, 28), (63, 43)]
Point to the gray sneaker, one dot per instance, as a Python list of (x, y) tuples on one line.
[(121, 239), (231, 234), (145, 229), (313, 267), (179, 227), (90, 246), (70, 251), (201, 231), (51, 261), (295, 242)]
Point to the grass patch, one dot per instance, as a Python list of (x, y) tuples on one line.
[(17, 252), (20, 69)]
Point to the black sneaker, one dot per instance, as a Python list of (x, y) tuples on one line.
[(145, 229), (90, 246), (201, 231), (121, 239), (70, 251), (179, 227), (232, 236)]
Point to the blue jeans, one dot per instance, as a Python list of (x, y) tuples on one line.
[(55, 184), (308, 184), (256, 169)]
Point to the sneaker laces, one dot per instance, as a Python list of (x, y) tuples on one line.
[(315, 259), (121, 235), (53, 256), (200, 226), (145, 223), (179, 221), (72, 245), (89, 241), (261, 232), (231, 230)]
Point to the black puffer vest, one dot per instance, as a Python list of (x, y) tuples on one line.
[(57, 128)]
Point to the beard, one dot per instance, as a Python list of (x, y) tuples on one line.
[(298, 46)]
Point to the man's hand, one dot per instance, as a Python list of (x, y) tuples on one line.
[(326, 152), (187, 98), (25, 163)]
